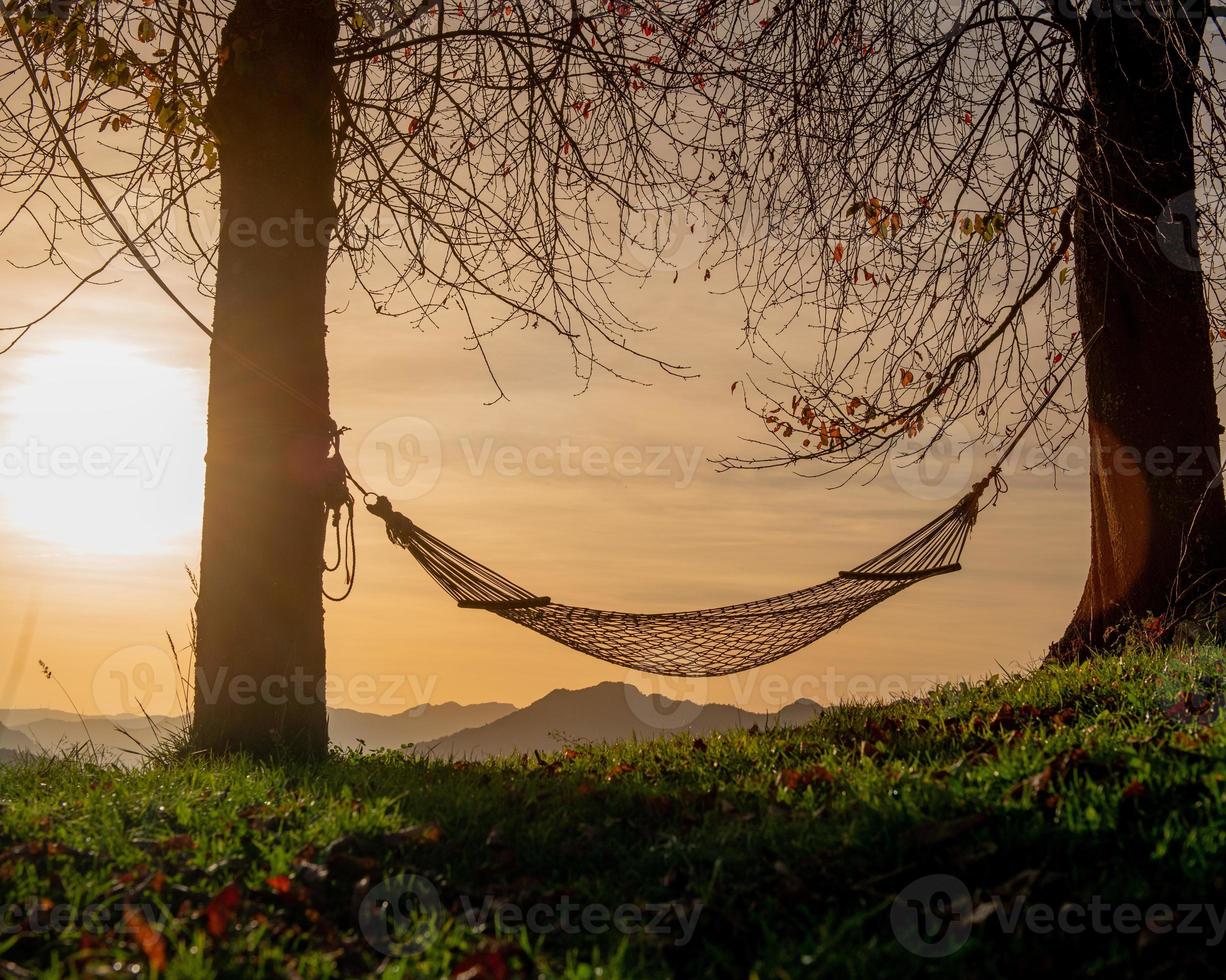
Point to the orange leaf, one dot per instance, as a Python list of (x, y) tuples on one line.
[(907, 377), (147, 938), (838, 252), (279, 883)]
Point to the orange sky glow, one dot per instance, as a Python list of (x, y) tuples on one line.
[(607, 498)]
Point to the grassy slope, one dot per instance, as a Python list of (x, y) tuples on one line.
[(1105, 780)]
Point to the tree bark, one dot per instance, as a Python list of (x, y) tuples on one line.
[(1158, 515), (260, 642)]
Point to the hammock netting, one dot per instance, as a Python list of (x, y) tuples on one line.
[(702, 642)]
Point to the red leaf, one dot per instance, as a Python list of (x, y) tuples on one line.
[(838, 252), (487, 965), (795, 780), (648, 30), (221, 910), (279, 883)]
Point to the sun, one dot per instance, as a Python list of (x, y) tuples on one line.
[(101, 450)]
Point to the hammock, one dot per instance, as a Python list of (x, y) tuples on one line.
[(703, 642)]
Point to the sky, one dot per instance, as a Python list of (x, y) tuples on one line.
[(605, 498)]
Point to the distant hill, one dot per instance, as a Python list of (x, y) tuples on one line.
[(608, 712), (604, 713), (53, 731), (421, 724), (60, 731), (14, 741)]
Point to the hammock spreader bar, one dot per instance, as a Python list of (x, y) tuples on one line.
[(702, 642)]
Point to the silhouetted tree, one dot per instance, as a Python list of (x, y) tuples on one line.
[(494, 160), (1017, 189)]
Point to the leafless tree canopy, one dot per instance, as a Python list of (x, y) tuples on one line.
[(505, 159), (889, 182), (929, 171)]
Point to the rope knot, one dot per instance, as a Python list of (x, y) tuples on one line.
[(993, 479), (335, 487), (381, 507), (399, 528)]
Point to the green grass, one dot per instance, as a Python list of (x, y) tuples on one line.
[(785, 851)]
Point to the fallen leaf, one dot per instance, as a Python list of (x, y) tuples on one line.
[(489, 964), (150, 941), (279, 884), (795, 779), (181, 842), (221, 910)]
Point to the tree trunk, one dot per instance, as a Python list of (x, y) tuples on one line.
[(1158, 516), (260, 644)]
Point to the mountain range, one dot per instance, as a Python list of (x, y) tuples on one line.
[(608, 712), (604, 713)]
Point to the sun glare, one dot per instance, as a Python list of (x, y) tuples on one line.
[(101, 451)]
